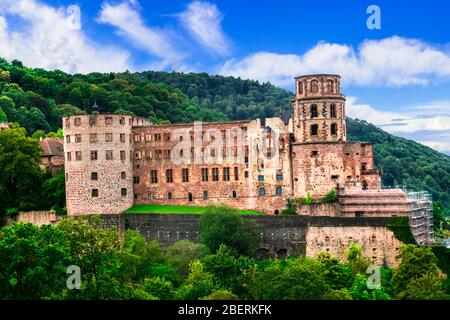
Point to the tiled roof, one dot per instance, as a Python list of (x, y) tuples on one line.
[(52, 147)]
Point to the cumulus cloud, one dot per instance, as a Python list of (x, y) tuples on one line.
[(52, 38), (428, 124), (154, 41), (393, 61), (203, 20)]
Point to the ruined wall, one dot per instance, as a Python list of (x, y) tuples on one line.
[(37, 218), (378, 243)]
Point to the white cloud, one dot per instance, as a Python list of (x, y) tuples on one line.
[(49, 38), (392, 61), (131, 26), (203, 21), (428, 124)]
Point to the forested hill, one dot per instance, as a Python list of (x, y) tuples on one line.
[(238, 99), (37, 99)]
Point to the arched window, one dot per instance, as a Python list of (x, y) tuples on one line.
[(333, 129), (314, 112), (329, 86), (300, 87), (333, 111), (314, 86), (314, 129)]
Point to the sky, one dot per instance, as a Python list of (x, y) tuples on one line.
[(396, 76)]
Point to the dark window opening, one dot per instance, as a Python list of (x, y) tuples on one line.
[(123, 192), (94, 193), (314, 113), (314, 129), (190, 197)]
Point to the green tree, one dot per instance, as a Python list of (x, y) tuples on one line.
[(158, 287), (21, 176), (33, 261), (3, 117), (54, 192), (356, 260), (417, 274), (181, 253), (199, 283), (221, 295), (224, 225)]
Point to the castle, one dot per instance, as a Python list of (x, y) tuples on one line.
[(115, 161)]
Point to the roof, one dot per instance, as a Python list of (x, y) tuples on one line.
[(287, 115), (52, 147)]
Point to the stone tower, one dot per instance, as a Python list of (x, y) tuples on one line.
[(319, 109), (322, 160), (98, 163)]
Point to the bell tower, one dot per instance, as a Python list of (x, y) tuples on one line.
[(319, 109)]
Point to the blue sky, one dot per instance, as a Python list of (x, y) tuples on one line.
[(397, 77)]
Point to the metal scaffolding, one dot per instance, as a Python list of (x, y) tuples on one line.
[(421, 218)]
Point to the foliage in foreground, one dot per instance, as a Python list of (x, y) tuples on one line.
[(33, 263)]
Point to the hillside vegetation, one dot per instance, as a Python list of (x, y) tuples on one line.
[(37, 99)]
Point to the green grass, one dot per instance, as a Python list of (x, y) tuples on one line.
[(169, 209)]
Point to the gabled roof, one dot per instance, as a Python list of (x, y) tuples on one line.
[(52, 147)]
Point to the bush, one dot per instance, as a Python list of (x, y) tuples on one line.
[(289, 210), (12, 212), (158, 287), (330, 197), (224, 225), (221, 295)]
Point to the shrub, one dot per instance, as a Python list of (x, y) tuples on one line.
[(330, 197)]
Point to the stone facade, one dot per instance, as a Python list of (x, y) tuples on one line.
[(114, 161)]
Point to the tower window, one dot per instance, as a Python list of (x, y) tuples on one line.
[(226, 174), (204, 174), (169, 196), (109, 154), (314, 113), (94, 176), (205, 195), (123, 192), (279, 191), (94, 193), (122, 155), (333, 111), (262, 192), (329, 86), (169, 175), (136, 180), (260, 177), (314, 153), (234, 194), (314, 86), (108, 137), (69, 156), (300, 87), (78, 138), (78, 155), (185, 175), (215, 174), (154, 176), (123, 175), (190, 197), (314, 129), (333, 128), (236, 173)]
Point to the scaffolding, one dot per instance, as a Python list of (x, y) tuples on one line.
[(421, 217)]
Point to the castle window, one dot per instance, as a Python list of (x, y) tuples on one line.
[(137, 138), (204, 174), (314, 112), (234, 194), (166, 136), (334, 177), (108, 137), (93, 137), (137, 155), (279, 177), (333, 129), (314, 86), (181, 138), (167, 154), (365, 185), (236, 173), (300, 87), (94, 155), (279, 191), (123, 192), (314, 129), (92, 121), (157, 137), (363, 166), (94, 176), (67, 139), (78, 155), (333, 111), (329, 86), (261, 177), (226, 174), (69, 156), (169, 195), (314, 153), (122, 120), (154, 176), (94, 193), (122, 155), (136, 180), (77, 121), (185, 175), (108, 121), (169, 175), (205, 195), (246, 174), (190, 197), (147, 137), (262, 192), (181, 153), (213, 152), (77, 138), (123, 175), (215, 174), (109, 154)]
